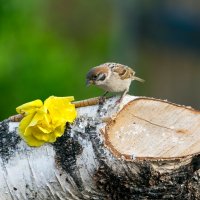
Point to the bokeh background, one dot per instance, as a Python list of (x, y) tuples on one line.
[(47, 47)]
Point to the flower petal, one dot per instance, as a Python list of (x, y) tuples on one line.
[(33, 142), (25, 123), (60, 108), (29, 107), (30, 139)]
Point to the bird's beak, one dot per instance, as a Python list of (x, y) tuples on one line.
[(89, 82)]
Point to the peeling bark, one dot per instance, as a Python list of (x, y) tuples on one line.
[(101, 159)]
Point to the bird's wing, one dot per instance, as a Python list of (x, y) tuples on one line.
[(123, 71)]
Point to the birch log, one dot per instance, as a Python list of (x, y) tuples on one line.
[(144, 149)]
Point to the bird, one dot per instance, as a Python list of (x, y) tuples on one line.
[(112, 77)]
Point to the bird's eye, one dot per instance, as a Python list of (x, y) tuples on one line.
[(101, 77)]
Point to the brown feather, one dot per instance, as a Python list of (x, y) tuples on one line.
[(124, 71), (119, 69), (101, 69)]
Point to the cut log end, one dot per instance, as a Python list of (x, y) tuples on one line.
[(153, 129)]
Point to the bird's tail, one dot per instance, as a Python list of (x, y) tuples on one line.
[(138, 79)]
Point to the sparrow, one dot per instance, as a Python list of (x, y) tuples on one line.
[(112, 77)]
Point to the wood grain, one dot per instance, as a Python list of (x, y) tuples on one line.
[(150, 128)]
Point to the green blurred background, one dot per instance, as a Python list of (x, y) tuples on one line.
[(47, 47)]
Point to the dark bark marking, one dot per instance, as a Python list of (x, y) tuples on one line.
[(8, 141)]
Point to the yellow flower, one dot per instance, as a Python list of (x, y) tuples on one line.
[(45, 122)]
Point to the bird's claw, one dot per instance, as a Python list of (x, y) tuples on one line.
[(118, 101), (102, 100)]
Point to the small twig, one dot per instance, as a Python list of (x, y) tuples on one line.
[(78, 104), (16, 118), (87, 102)]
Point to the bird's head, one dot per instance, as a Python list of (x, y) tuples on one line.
[(97, 75)]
